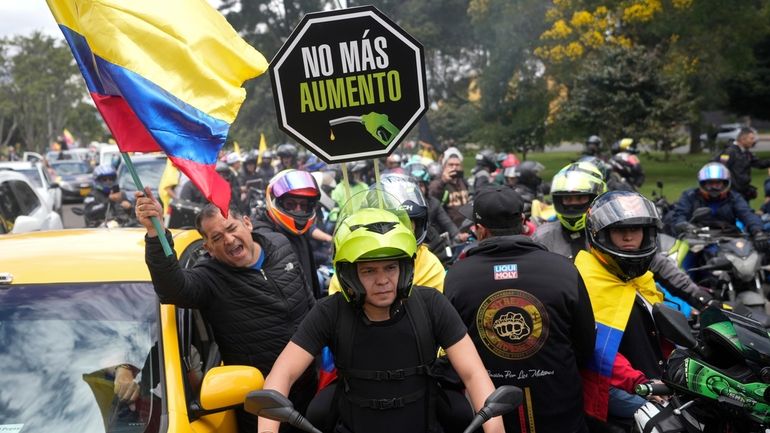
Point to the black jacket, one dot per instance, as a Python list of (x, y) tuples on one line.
[(740, 162), (253, 314), (529, 315), (301, 247)]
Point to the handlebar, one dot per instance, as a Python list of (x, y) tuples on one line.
[(652, 388)]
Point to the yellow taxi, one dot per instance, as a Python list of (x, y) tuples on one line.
[(77, 308)]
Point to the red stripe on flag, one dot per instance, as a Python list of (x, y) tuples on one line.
[(128, 130), (208, 181), (596, 394)]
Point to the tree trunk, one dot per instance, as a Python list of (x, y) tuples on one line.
[(695, 131)]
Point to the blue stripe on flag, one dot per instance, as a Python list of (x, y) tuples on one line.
[(180, 129), (607, 343)]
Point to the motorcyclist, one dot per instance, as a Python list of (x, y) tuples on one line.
[(376, 329), (593, 146), (624, 145), (428, 270), (482, 174), (339, 194), (265, 169), (288, 154), (508, 161), (628, 172), (573, 189), (450, 188), (726, 206), (105, 201), (438, 220), (621, 229), (290, 209)]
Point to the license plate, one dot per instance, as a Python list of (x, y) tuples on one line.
[(84, 191)]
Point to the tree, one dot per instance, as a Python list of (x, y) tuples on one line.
[(626, 92), (44, 85)]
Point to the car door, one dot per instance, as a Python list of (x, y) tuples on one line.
[(30, 205)]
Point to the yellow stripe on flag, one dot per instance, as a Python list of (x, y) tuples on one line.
[(169, 42)]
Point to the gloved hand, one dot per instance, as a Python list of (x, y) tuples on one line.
[(685, 227), (701, 299), (761, 241)]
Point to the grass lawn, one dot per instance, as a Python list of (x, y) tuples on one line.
[(677, 174)]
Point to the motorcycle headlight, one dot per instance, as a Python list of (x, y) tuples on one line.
[(745, 268)]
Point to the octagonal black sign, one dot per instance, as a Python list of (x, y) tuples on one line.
[(349, 84)]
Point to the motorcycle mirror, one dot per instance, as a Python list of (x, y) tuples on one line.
[(78, 211), (673, 325), (700, 213), (271, 404), (502, 400), (659, 184)]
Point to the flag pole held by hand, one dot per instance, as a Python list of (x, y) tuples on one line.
[(155, 221)]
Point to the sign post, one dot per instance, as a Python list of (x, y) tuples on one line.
[(349, 84)]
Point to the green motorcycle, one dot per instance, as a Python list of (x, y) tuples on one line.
[(718, 382)]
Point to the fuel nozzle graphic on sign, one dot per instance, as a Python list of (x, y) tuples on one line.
[(377, 124)]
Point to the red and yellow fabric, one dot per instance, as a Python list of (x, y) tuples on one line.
[(612, 300), (164, 76)]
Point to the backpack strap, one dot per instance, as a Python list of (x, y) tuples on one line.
[(417, 313)]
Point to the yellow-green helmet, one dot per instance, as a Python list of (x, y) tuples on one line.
[(576, 179), (369, 234)]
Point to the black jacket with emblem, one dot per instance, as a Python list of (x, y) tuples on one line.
[(531, 320)]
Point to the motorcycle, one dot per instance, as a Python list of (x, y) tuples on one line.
[(718, 382), (273, 405), (105, 213), (734, 272)]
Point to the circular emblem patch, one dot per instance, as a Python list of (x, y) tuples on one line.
[(512, 323)]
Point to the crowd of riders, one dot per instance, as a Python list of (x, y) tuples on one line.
[(548, 284)]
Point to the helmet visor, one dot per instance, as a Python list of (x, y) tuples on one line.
[(631, 209), (373, 199), (406, 192), (293, 182)]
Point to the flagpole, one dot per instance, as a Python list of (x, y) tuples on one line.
[(155, 221)]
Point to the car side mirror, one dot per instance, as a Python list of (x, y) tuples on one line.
[(54, 185), (24, 224), (227, 386)]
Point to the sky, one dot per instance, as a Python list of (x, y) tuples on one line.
[(22, 17), (25, 16)]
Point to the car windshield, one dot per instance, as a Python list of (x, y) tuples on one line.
[(61, 347), (33, 176), (69, 168), (149, 172)]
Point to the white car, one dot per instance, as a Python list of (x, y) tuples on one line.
[(22, 208), (40, 179)]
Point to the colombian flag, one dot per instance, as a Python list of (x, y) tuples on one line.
[(165, 75), (612, 301)]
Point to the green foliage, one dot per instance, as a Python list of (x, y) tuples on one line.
[(39, 77), (626, 93)]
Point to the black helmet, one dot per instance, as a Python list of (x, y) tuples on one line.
[(529, 174), (487, 158), (603, 167), (593, 145), (594, 140), (410, 198), (622, 209), (628, 166), (287, 150)]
